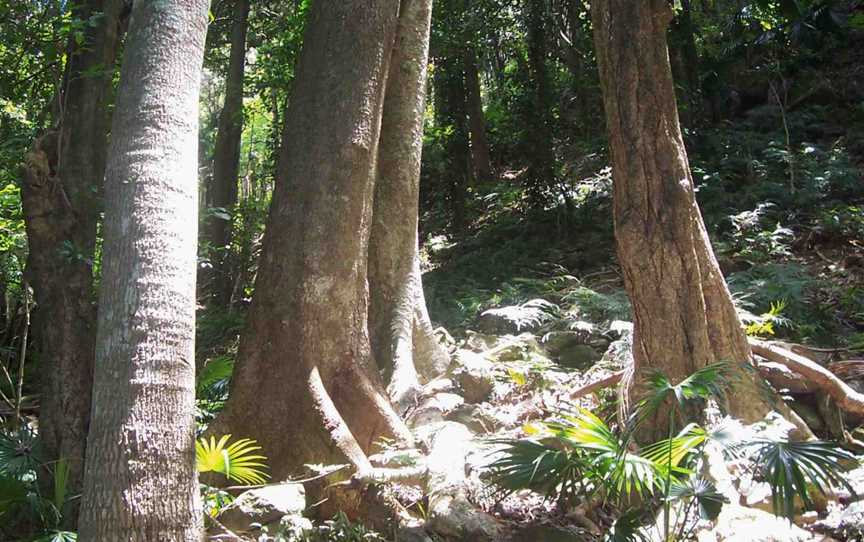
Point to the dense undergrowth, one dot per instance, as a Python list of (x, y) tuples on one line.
[(800, 252)]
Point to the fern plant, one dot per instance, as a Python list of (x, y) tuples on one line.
[(237, 461)]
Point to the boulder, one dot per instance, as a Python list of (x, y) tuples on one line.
[(578, 356), (434, 408), (479, 342), (528, 316), (473, 373), (556, 341), (264, 505), (741, 524), (844, 523), (451, 514)]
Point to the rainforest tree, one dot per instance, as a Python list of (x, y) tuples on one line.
[(140, 478)]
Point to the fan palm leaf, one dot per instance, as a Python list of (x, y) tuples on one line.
[(795, 468), (237, 461)]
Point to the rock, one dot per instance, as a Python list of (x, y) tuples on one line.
[(620, 352), (264, 505), (473, 373), (844, 523), (528, 316), (472, 417), (434, 408), (556, 341), (451, 514), (550, 533), (479, 342), (740, 524), (412, 534), (523, 347), (578, 356)]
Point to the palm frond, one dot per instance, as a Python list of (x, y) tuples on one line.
[(627, 528), (237, 461), (529, 464), (20, 452), (795, 468), (708, 499), (682, 446), (621, 472), (712, 381)]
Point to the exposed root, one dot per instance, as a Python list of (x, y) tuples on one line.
[(819, 377)]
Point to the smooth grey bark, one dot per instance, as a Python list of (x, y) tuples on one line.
[(305, 353), (61, 196), (683, 313), (226, 162), (140, 477), (403, 342)]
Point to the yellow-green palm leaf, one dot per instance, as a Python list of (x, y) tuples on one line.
[(237, 461)]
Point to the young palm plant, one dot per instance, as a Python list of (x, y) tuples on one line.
[(236, 461), (577, 454)]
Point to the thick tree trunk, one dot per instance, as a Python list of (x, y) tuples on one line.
[(401, 334), (480, 156), (61, 198), (140, 480), (304, 366), (683, 313), (226, 161)]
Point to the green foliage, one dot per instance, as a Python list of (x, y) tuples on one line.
[(237, 461), (795, 469), (573, 456)]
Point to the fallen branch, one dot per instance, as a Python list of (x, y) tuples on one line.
[(846, 398), (607, 382)]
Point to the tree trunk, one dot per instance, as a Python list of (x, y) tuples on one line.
[(140, 480), (480, 156), (304, 365), (401, 334), (226, 161), (61, 196), (451, 111), (683, 313), (541, 171)]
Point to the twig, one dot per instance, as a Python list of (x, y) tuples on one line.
[(20, 387)]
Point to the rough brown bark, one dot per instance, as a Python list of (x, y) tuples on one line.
[(222, 191), (140, 478), (480, 156), (683, 313), (61, 191), (304, 366), (402, 340)]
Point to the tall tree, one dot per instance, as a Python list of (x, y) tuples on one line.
[(402, 340), (450, 112), (541, 171), (305, 352), (222, 191), (61, 196), (480, 155), (682, 310), (140, 478)]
